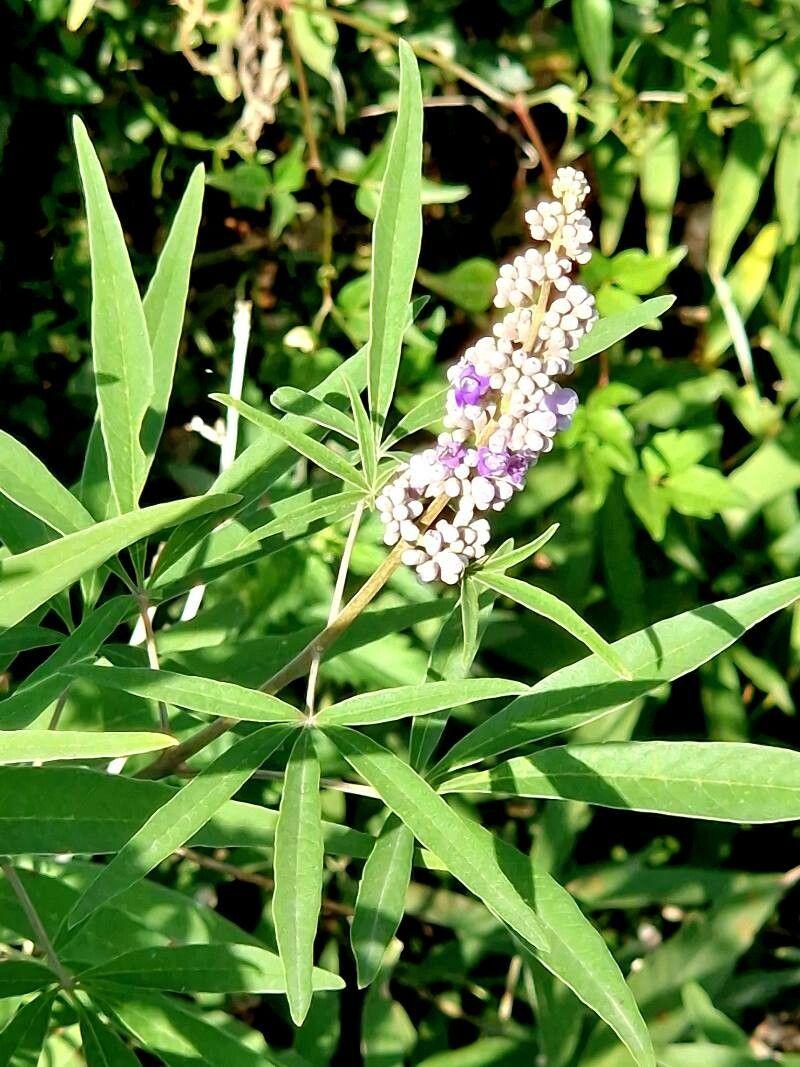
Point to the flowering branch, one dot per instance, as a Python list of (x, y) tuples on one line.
[(504, 409)]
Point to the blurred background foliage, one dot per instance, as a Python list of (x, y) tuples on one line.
[(676, 485)]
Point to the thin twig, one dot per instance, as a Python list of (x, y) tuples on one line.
[(40, 934), (522, 111), (314, 160), (54, 721), (336, 601), (241, 874)]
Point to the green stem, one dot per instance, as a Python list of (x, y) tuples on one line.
[(40, 934)]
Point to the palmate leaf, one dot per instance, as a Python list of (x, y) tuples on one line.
[(25, 746), (440, 829), (726, 781), (31, 578), (381, 897), (299, 850), (203, 695), (613, 328), (385, 705), (180, 818), (543, 603), (52, 810), (319, 454), (587, 690), (121, 351), (396, 239), (202, 969)]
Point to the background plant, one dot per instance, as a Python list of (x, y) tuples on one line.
[(676, 485)]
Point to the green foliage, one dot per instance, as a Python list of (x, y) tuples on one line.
[(343, 801)]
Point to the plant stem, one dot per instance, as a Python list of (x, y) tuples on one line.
[(296, 668), (336, 602), (242, 874), (314, 161), (522, 111), (40, 934)]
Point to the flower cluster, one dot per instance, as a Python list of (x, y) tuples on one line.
[(505, 405)]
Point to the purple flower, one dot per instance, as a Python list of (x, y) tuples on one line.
[(492, 464), (451, 455), (517, 467), (471, 386)]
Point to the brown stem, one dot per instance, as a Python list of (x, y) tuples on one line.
[(314, 161), (522, 111), (296, 668), (241, 874)]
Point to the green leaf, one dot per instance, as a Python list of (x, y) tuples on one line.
[(256, 469), (659, 177), (614, 328), (593, 21), (787, 169), (397, 235), (381, 898), (52, 810), (26, 746), (588, 690), (576, 952), (204, 695), (45, 683), (31, 578), (179, 818), (649, 501), (22, 1040), (23, 976), (318, 453), (440, 829), (299, 853), (470, 285), (550, 607), (102, 1047), (123, 362), (385, 705), (505, 559), (24, 638), (703, 1054), (301, 511), (203, 969), (165, 305), (25, 480), (308, 406), (725, 781), (772, 78), (183, 1035), (366, 438), (424, 414)]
